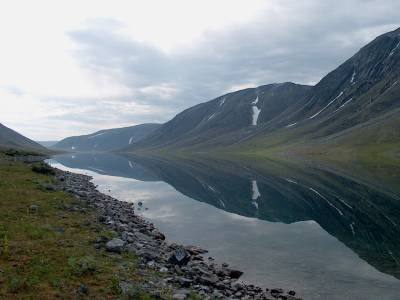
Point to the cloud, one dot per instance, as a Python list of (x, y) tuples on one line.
[(135, 80), (297, 41)]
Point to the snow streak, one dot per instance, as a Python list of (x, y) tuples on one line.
[(337, 97)]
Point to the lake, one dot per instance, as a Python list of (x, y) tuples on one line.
[(322, 232)]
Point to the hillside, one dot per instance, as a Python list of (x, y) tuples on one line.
[(106, 140), (227, 118), (363, 90), (12, 139)]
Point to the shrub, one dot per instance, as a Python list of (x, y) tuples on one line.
[(43, 168)]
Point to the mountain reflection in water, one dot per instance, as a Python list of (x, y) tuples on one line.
[(363, 217)]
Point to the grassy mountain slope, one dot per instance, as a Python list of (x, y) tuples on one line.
[(12, 139)]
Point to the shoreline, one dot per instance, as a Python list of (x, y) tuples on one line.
[(183, 270)]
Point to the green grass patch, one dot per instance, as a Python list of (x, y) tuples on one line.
[(46, 250)]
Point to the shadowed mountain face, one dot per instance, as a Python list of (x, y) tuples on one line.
[(363, 217), (106, 140), (360, 97), (227, 118), (12, 139)]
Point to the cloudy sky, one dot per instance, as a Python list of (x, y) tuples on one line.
[(74, 67)]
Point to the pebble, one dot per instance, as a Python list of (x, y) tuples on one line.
[(185, 265)]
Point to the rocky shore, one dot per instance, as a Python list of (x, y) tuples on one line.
[(184, 271)]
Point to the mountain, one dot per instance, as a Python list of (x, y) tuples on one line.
[(107, 140), (227, 118), (358, 99), (47, 144), (12, 139), (363, 91)]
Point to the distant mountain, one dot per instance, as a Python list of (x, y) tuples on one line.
[(47, 143), (107, 140), (361, 98), (227, 118), (12, 139)]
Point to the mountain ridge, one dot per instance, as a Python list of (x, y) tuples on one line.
[(12, 139), (359, 90), (106, 139)]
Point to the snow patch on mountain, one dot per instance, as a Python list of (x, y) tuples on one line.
[(343, 105), (329, 202), (255, 192), (290, 125), (256, 114), (131, 140), (96, 135), (337, 97), (210, 117), (394, 49), (353, 77), (222, 101)]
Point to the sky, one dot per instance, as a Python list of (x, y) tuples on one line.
[(75, 67)]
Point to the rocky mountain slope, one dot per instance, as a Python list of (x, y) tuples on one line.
[(12, 139), (363, 89), (107, 140), (227, 118)]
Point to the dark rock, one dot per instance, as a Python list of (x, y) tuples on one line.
[(184, 282), (208, 279), (101, 240), (235, 274), (292, 293), (195, 250), (147, 254), (34, 208), (83, 289), (179, 257)]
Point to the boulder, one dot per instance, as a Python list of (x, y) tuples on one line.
[(179, 257), (115, 245)]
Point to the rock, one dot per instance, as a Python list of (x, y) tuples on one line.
[(208, 279), (115, 245), (158, 235), (34, 208), (163, 270), (195, 250), (179, 296), (49, 187), (235, 274), (83, 289), (292, 293), (101, 239), (276, 291), (184, 282), (140, 203), (127, 288), (179, 257)]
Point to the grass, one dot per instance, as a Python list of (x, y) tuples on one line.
[(47, 251)]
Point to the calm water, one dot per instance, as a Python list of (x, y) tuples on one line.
[(325, 235)]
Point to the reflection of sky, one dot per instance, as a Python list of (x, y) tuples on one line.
[(299, 256)]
